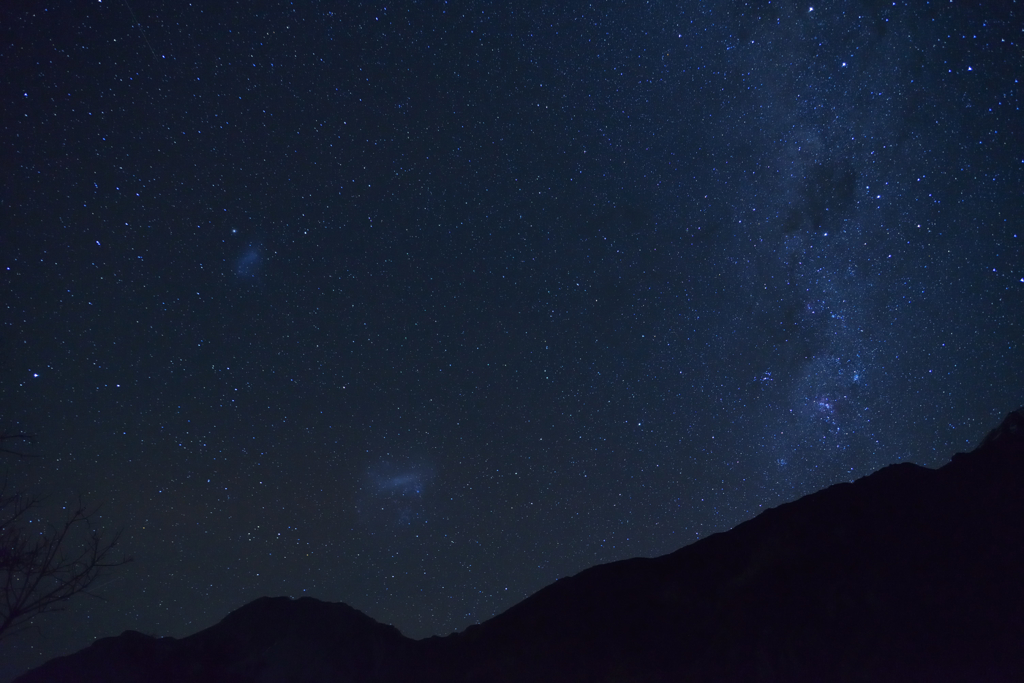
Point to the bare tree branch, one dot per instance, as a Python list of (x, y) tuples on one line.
[(42, 565), (6, 437)]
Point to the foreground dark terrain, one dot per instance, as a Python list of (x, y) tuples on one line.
[(909, 574)]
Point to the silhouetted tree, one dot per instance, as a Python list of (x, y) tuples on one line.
[(43, 565)]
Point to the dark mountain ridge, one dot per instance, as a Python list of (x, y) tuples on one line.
[(907, 574)]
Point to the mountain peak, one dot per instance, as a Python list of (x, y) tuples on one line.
[(1009, 434)]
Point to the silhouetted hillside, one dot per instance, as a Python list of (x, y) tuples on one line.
[(270, 639), (909, 574)]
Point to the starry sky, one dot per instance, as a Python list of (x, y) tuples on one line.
[(423, 306)]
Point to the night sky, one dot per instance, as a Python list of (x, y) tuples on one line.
[(422, 307)]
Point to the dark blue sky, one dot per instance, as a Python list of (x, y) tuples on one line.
[(423, 307)]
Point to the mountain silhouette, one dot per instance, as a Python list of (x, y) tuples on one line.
[(909, 574)]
